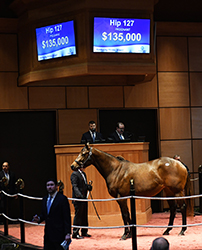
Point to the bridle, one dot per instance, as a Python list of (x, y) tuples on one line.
[(81, 164)]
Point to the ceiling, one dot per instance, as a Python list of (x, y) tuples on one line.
[(178, 11), (164, 10)]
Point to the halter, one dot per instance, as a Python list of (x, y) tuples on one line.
[(88, 158)]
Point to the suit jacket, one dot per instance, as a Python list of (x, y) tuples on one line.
[(11, 188), (86, 137), (115, 138), (79, 187), (58, 221)]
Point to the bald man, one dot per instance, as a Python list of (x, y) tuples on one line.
[(160, 244)]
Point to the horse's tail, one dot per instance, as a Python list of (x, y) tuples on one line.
[(189, 201)]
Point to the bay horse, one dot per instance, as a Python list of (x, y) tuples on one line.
[(149, 179)]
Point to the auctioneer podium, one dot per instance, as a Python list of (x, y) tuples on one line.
[(108, 211)]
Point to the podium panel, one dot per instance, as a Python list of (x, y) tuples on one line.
[(108, 211)]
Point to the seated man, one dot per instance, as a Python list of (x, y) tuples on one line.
[(92, 136), (119, 135)]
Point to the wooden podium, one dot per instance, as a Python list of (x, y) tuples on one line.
[(108, 211)]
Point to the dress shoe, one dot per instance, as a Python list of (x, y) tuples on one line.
[(86, 235), (76, 236)]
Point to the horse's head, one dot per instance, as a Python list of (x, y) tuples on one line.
[(83, 159)]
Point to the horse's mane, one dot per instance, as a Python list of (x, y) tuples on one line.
[(118, 157), (121, 158)]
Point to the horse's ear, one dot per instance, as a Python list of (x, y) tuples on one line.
[(87, 145)]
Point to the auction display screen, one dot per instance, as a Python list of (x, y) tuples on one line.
[(121, 35), (56, 40)]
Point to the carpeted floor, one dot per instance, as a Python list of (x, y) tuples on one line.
[(109, 239)]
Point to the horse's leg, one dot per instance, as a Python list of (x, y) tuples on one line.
[(173, 207), (126, 218), (183, 211)]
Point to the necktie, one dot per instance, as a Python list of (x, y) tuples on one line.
[(93, 137), (82, 176), (121, 137), (49, 204)]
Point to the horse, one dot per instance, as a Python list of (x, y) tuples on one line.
[(149, 179)]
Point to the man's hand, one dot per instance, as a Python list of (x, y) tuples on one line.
[(36, 218), (89, 187), (68, 238)]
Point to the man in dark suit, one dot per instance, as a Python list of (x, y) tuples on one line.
[(178, 158), (8, 179), (119, 135), (79, 191), (92, 135), (56, 214), (7, 184)]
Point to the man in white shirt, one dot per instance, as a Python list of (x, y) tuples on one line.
[(119, 135), (92, 135)]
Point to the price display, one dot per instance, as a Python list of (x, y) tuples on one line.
[(56, 41), (121, 35)]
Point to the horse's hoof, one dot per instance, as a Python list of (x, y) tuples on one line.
[(181, 233), (128, 236), (166, 233), (124, 237)]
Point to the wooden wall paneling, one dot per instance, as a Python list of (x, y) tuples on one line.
[(172, 54), (179, 29), (197, 149), (180, 147), (141, 95), (8, 52), (195, 53), (105, 97), (73, 123), (196, 122), (46, 97), (25, 52), (77, 97), (11, 96), (175, 123), (196, 89), (173, 89), (8, 25)]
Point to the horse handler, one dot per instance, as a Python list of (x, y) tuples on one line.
[(79, 191)]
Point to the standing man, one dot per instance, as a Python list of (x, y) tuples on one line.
[(79, 191), (92, 135), (9, 185), (178, 158), (119, 135), (56, 214)]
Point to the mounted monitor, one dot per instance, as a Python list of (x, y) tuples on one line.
[(56, 40), (121, 35)]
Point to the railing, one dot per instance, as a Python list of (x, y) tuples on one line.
[(133, 226), (132, 198)]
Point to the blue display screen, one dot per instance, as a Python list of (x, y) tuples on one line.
[(121, 35), (56, 40)]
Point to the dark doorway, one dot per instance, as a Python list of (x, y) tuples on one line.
[(27, 142), (142, 123)]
